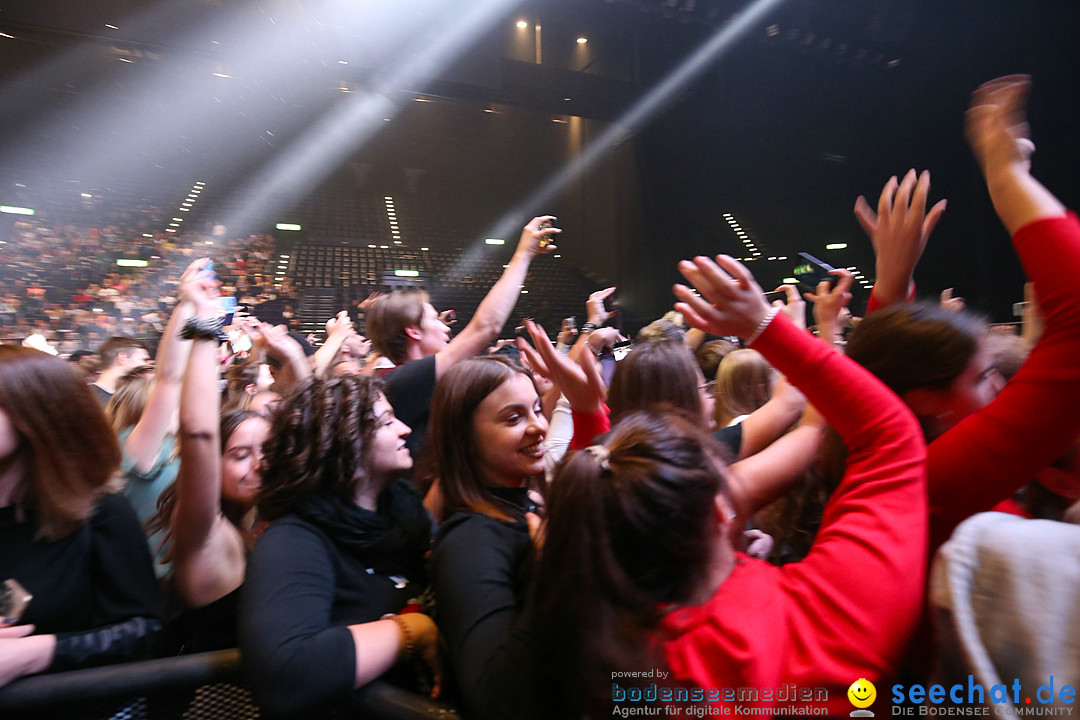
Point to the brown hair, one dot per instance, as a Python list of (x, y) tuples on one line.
[(111, 348), (387, 319), (710, 355), (917, 345), (69, 449), (656, 373), (452, 444), (319, 440), (237, 379), (631, 528), (744, 383), (166, 502)]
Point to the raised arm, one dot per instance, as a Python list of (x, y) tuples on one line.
[(207, 551), (1032, 421), (496, 307), (338, 330), (899, 231), (873, 532), (144, 442)]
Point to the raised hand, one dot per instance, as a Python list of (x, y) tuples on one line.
[(367, 302), (794, 307), (597, 314), (730, 301), (580, 381), (899, 231), (950, 303), (537, 239), (829, 302), (996, 126), (199, 286), (339, 326)]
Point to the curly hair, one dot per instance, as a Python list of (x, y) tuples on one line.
[(319, 441)]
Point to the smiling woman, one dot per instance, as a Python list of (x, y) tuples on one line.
[(487, 440)]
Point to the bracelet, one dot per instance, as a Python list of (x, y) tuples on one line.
[(587, 328), (204, 329), (405, 634), (762, 325)]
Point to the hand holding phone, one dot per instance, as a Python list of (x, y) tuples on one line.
[(814, 271)]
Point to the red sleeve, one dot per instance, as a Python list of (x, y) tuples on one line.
[(873, 531), (588, 427), (990, 454), (874, 303), (846, 610)]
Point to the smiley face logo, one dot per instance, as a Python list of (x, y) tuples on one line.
[(862, 693)]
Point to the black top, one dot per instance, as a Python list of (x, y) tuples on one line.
[(94, 589), (408, 389), (315, 572), (480, 574), (103, 396), (731, 438)]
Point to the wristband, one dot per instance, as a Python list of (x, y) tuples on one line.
[(762, 325), (587, 328), (204, 329)]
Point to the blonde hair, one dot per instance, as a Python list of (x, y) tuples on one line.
[(127, 403), (744, 381)]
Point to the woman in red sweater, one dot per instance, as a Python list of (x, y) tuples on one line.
[(639, 572)]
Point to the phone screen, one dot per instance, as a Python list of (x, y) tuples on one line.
[(228, 304)]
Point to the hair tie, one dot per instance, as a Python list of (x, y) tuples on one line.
[(602, 455)]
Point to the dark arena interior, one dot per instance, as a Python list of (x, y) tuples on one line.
[(320, 152)]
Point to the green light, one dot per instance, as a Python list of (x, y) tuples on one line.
[(287, 226), (495, 241), (407, 273), (836, 246), (15, 210), (124, 262)]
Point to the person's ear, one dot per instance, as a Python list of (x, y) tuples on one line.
[(413, 331), (723, 513)]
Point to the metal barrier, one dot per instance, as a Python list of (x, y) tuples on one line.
[(137, 688)]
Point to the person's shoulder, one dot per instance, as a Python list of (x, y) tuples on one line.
[(476, 533), (113, 508), (412, 371), (288, 538)]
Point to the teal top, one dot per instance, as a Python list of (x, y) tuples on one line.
[(143, 488)]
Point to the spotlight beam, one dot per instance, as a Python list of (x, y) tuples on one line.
[(359, 117), (638, 115)]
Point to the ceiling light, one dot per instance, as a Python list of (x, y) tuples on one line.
[(522, 24), (582, 40)]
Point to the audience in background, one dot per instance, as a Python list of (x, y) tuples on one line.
[(292, 527)]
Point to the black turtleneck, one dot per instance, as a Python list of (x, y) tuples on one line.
[(313, 573)]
